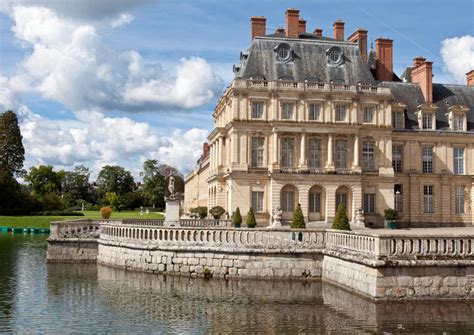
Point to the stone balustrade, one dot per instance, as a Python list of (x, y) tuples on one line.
[(143, 222), (205, 223), (309, 86), (75, 229)]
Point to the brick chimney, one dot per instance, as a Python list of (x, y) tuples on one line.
[(384, 57), (292, 22), (318, 32), (301, 26), (422, 74), (259, 25), (360, 37), (338, 30), (470, 78)]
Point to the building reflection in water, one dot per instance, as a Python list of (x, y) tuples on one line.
[(185, 305)]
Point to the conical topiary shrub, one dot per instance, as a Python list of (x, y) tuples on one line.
[(298, 219), (251, 222), (237, 218), (341, 221)]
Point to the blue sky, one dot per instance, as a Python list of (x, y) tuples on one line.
[(204, 38)]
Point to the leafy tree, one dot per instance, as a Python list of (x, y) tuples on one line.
[(75, 185), (298, 219), (201, 211), (52, 201), (166, 171), (251, 222), (44, 180), (217, 212), (237, 218), (341, 221), (114, 179), (154, 184), (12, 152)]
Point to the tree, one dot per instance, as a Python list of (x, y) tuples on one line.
[(237, 218), (154, 183), (217, 212), (201, 211), (298, 219), (251, 222), (75, 184), (166, 171), (12, 152), (341, 220), (44, 180), (52, 201), (114, 179)]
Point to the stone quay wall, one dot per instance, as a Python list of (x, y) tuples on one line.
[(381, 264)]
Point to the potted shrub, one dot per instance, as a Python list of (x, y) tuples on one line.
[(105, 212), (237, 218), (251, 222), (390, 218), (216, 212), (341, 221), (298, 219)]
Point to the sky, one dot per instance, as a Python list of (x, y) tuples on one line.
[(116, 82)]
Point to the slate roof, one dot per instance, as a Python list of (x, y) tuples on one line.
[(309, 61), (444, 97)]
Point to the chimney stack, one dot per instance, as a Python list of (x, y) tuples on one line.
[(470, 78), (338, 29), (318, 32), (360, 37), (301, 26), (292, 22), (422, 74), (259, 25), (384, 59)]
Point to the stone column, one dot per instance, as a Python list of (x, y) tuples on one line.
[(234, 150), (275, 148), (303, 150), (356, 163), (220, 151), (330, 162)]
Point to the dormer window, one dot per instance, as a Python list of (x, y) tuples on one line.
[(427, 121), (283, 52), (458, 122), (334, 56), (398, 119)]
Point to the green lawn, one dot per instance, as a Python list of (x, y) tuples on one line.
[(43, 221)]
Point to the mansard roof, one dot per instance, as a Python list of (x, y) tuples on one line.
[(444, 97), (308, 62)]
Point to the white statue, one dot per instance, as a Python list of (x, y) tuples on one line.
[(171, 187), (276, 216), (359, 217)]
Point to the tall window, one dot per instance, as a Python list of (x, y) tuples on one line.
[(398, 119), (287, 152), (341, 154), (368, 159), (257, 201), (257, 109), (257, 151), (369, 112), (459, 198), (287, 201), (287, 110), (341, 112), (314, 112), (341, 197), (315, 202), (458, 122), (397, 158), (314, 153), (428, 166), (427, 120), (428, 199), (369, 203), (398, 197), (458, 160)]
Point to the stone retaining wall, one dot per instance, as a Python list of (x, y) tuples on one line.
[(215, 264), (72, 251)]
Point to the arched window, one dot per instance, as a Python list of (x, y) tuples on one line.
[(288, 198), (342, 196)]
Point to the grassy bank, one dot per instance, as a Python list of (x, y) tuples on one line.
[(44, 221)]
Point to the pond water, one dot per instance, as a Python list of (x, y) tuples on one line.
[(36, 297)]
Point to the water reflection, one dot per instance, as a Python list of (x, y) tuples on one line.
[(84, 298)]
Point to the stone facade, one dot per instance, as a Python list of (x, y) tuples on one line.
[(73, 251), (286, 132)]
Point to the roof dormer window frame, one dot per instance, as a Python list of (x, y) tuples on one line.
[(427, 117), (283, 52), (456, 113)]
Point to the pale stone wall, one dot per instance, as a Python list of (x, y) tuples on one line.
[(196, 188), (74, 251)]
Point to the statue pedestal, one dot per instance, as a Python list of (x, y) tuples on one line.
[(172, 213)]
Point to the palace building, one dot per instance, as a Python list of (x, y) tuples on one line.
[(319, 120)]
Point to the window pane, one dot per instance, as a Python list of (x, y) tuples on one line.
[(428, 199), (368, 161), (257, 201), (341, 197), (369, 114), (257, 151), (398, 119), (369, 203), (257, 110), (314, 112), (427, 120), (287, 110), (314, 153), (458, 160), (458, 122), (428, 165), (315, 202), (459, 200), (341, 112), (287, 201), (341, 154), (287, 152), (397, 158)]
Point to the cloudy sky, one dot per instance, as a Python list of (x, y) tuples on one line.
[(98, 82)]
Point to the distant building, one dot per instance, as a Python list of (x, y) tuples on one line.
[(318, 120)]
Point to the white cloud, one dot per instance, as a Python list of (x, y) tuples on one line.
[(121, 20), (96, 140), (458, 56), (69, 63)]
